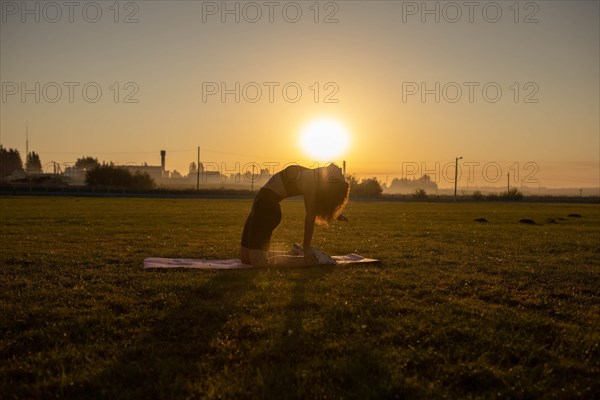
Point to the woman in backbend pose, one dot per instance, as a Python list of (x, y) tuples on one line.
[(325, 193)]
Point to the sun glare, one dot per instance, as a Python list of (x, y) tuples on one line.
[(324, 139)]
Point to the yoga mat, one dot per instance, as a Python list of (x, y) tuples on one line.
[(235, 263)]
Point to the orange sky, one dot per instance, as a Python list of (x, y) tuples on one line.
[(372, 58)]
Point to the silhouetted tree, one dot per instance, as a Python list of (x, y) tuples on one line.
[(365, 188), (193, 170), (87, 163), (420, 194), (477, 195), (33, 163), (512, 194), (118, 177), (10, 161)]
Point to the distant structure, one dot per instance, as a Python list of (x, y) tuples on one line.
[(210, 175), (156, 172)]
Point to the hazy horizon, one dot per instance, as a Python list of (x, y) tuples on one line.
[(514, 89)]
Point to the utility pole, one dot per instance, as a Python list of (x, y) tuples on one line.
[(198, 172), (508, 182), (456, 175), (252, 179)]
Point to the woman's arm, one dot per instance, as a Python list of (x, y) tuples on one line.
[(309, 228), (310, 197)]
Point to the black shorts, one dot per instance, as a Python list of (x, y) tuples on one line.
[(262, 221)]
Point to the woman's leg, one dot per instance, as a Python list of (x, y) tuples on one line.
[(245, 255), (244, 251), (258, 258), (260, 224)]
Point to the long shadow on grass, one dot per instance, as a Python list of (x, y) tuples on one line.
[(322, 357), (160, 364)]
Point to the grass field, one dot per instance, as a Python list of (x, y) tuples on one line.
[(457, 308)]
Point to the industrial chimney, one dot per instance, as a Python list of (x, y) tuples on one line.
[(163, 154)]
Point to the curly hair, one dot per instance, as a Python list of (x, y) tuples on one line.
[(332, 196)]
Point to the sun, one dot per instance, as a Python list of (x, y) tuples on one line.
[(324, 139)]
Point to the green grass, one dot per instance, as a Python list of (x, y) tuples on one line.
[(457, 309)]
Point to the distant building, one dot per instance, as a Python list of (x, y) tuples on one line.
[(156, 172), (75, 175), (17, 174)]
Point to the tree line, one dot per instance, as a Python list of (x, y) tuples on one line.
[(10, 161), (110, 175), (96, 174), (118, 177), (369, 188)]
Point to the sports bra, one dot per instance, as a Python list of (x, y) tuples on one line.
[(290, 177)]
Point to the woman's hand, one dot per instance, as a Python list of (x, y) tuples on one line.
[(310, 256)]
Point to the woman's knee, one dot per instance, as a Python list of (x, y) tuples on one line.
[(258, 258), (245, 255)]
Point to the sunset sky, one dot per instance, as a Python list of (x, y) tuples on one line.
[(373, 57)]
